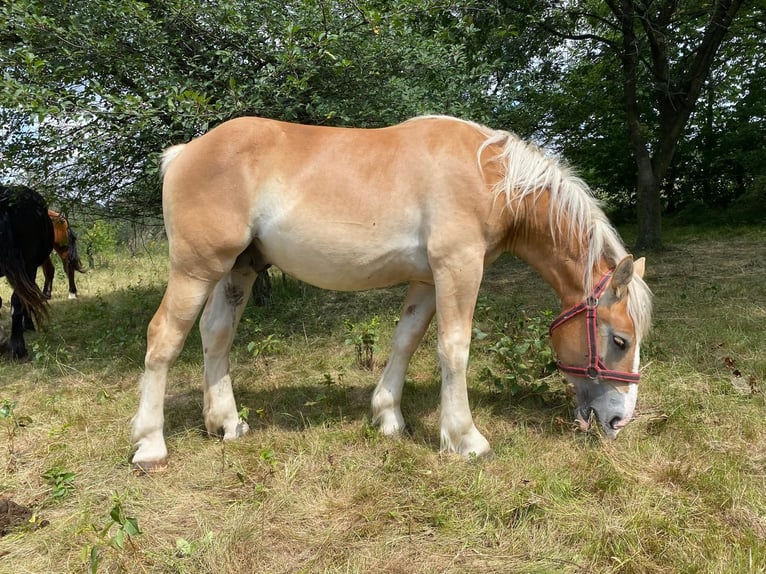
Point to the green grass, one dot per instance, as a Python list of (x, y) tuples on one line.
[(315, 488)]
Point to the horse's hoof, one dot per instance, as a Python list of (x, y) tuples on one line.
[(149, 467), (19, 357)]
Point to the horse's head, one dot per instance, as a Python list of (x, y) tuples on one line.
[(597, 344)]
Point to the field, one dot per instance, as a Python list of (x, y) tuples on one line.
[(315, 488)]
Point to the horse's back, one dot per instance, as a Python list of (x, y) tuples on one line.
[(343, 208)]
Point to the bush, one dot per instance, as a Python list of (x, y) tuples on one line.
[(524, 357)]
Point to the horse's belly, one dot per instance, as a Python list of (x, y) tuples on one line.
[(347, 261)]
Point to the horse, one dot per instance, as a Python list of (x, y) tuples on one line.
[(26, 240), (65, 244), (429, 202)]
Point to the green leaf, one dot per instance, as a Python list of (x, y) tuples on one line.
[(118, 540), (183, 547), (131, 527)]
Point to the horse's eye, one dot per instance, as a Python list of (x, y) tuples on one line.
[(619, 342)]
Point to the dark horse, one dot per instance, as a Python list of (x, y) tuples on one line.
[(26, 240), (65, 244)]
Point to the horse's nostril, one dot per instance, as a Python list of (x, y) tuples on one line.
[(616, 423)]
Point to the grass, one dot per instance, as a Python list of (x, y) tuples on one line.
[(315, 488)]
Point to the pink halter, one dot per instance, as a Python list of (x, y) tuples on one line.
[(596, 368)]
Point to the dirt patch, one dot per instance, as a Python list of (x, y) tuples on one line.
[(13, 515)]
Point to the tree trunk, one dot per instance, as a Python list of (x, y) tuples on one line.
[(675, 98), (649, 209), (648, 184)]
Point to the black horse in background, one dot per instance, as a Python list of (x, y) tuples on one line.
[(26, 241)]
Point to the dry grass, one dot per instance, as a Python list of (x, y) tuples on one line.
[(315, 489)]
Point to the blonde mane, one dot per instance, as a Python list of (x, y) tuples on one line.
[(574, 214)]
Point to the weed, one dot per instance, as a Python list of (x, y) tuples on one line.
[(364, 338), (185, 548), (119, 529), (12, 423), (60, 480), (268, 456), (525, 357), (328, 380), (266, 347), (41, 353), (244, 413)]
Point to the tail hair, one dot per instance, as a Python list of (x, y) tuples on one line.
[(15, 270), (168, 156), (74, 255)]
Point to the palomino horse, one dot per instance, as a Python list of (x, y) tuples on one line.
[(26, 240), (65, 244), (430, 202)]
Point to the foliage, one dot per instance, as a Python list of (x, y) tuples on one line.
[(119, 529), (12, 423), (266, 346), (682, 489), (524, 357), (92, 90), (187, 548), (364, 338), (653, 61), (98, 243), (103, 87), (60, 480)]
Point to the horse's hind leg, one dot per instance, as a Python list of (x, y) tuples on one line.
[(217, 326), (166, 334), (418, 310), (69, 268), (16, 346), (48, 273)]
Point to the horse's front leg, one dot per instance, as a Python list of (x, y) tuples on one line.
[(417, 312), (218, 326), (166, 334), (457, 281)]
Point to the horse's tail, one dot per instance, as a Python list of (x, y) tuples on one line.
[(168, 156), (74, 255), (16, 270)]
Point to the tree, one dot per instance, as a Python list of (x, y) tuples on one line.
[(666, 50), (93, 90)]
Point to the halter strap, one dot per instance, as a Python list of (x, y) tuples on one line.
[(596, 369)]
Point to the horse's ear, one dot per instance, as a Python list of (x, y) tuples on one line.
[(622, 276), (639, 266)]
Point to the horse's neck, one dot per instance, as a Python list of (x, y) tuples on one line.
[(559, 261)]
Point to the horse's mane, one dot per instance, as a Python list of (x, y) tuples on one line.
[(574, 214)]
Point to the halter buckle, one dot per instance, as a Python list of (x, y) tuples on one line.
[(592, 373)]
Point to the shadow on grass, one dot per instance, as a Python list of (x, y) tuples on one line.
[(110, 328), (298, 408)]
